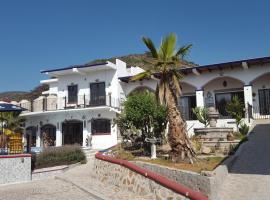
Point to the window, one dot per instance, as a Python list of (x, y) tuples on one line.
[(72, 94), (186, 104), (222, 99), (97, 94), (101, 126), (264, 101)]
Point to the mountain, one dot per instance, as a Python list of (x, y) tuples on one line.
[(19, 95), (136, 60)]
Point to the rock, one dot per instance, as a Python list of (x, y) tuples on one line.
[(205, 150)]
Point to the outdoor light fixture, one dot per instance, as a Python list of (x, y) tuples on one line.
[(224, 83)]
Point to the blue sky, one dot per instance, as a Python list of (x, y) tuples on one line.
[(36, 35)]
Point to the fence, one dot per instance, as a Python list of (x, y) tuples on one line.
[(52, 103)]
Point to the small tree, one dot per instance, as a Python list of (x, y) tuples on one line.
[(142, 117), (202, 115), (236, 109)]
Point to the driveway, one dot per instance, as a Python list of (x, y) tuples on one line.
[(249, 176)]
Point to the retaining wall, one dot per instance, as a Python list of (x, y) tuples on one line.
[(15, 168), (141, 181)]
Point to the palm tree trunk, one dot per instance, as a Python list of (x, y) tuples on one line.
[(177, 136)]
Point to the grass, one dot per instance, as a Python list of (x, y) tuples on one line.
[(202, 164)]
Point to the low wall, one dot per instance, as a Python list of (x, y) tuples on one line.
[(141, 181), (15, 168), (208, 183)]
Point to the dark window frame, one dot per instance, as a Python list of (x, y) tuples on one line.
[(98, 97), (102, 126), (264, 101), (72, 99)]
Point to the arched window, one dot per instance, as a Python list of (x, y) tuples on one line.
[(101, 126)]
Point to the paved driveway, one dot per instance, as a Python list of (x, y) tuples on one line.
[(249, 177)]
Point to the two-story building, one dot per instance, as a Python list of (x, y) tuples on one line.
[(83, 100)]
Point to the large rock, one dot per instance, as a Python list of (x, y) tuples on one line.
[(205, 150)]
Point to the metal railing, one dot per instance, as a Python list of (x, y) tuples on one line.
[(52, 103)]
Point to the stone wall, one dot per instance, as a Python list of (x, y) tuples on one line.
[(15, 168), (208, 183), (133, 182), (192, 180)]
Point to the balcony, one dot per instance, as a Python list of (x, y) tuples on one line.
[(53, 103)]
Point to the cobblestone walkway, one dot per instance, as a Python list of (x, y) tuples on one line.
[(249, 176), (83, 177)]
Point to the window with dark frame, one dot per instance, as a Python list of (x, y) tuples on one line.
[(222, 99), (97, 94), (73, 94), (101, 126)]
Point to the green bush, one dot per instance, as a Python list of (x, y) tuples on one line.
[(243, 129), (55, 156)]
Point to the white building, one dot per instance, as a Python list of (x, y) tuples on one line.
[(83, 100)]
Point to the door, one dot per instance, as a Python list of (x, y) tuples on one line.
[(72, 132), (264, 101), (97, 94)]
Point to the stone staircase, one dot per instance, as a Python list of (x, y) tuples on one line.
[(89, 153)]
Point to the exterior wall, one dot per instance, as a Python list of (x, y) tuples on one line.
[(57, 118), (15, 168)]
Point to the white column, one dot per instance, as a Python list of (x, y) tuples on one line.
[(58, 138), (85, 133), (199, 98), (38, 139), (248, 95)]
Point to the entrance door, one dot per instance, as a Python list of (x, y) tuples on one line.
[(72, 132), (97, 94), (264, 101)]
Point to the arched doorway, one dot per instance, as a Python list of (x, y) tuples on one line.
[(72, 132), (48, 135), (31, 137), (141, 89)]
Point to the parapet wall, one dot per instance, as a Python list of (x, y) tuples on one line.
[(15, 168), (141, 181)]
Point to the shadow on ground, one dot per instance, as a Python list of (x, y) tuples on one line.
[(254, 157)]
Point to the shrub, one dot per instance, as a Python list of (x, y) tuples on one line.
[(55, 156), (236, 109), (202, 115), (243, 129)]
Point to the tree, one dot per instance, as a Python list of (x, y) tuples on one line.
[(165, 63), (236, 109), (142, 117)]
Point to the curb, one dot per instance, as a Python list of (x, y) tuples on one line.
[(86, 190)]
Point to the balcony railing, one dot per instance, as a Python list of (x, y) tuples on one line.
[(52, 103)]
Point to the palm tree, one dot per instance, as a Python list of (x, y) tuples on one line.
[(165, 63)]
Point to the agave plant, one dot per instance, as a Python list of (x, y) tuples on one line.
[(165, 63)]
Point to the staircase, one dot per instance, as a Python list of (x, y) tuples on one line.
[(89, 153)]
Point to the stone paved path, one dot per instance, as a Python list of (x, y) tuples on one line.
[(249, 176), (84, 177)]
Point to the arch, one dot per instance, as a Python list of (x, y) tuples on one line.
[(259, 77), (140, 89), (31, 137), (72, 132), (187, 88), (222, 77), (48, 135)]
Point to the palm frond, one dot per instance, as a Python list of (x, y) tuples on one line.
[(167, 47), (150, 45), (183, 51), (143, 75)]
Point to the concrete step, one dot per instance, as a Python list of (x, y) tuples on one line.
[(89, 152)]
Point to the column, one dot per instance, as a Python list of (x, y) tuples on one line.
[(248, 95), (85, 134), (38, 138), (248, 101), (59, 135), (199, 98)]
